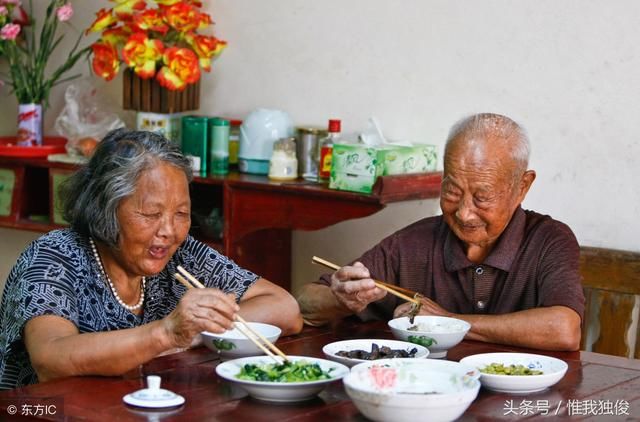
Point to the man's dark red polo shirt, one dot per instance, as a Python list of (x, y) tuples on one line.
[(534, 264)]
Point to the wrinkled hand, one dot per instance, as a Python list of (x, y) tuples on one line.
[(200, 310), (429, 307), (354, 288)]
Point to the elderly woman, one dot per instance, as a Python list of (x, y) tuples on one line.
[(99, 298)]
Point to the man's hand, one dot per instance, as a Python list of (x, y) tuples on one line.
[(354, 289), (429, 307)]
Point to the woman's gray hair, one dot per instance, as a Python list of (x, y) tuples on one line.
[(91, 195), (490, 125)]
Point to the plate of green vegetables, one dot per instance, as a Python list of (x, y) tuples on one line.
[(517, 373), (302, 378)]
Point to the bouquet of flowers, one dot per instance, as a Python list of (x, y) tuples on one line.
[(155, 38), (28, 53)]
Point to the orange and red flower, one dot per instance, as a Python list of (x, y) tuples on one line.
[(126, 8), (142, 53), (205, 47), (104, 19), (105, 60), (181, 68), (182, 17), (116, 36), (151, 20), (156, 38)]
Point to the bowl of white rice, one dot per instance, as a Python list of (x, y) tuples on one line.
[(436, 333)]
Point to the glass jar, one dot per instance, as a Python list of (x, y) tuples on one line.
[(284, 164)]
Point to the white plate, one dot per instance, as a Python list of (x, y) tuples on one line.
[(552, 371), (331, 349), (442, 332), (283, 392)]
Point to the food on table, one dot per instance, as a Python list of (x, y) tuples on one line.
[(299, 371), (437, 327), (501, 369), (377, 352), (422, 340), (223, 344)]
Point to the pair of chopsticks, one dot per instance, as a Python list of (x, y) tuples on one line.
[(401, 292), (270, 349)]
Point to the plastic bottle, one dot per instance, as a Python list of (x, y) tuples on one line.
[(234, 142), (284, 164), (218, 146), (326, 149)]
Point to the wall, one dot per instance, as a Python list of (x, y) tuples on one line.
[(568, 71)]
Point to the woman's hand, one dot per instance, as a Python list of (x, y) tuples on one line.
[(200, 310), (353, 287)]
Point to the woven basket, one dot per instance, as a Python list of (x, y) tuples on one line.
[(147, 95)]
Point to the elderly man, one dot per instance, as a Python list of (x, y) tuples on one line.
[(512, 274)]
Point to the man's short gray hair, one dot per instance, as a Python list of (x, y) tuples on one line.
[(490, 125), (91, 195)]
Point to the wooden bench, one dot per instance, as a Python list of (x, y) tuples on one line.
[(611, 282)]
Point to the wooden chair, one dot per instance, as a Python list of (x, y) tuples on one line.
[(611, 282)]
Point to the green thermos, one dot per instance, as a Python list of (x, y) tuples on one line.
[(195, 141)]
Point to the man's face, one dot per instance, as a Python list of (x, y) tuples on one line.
[(479, 193)]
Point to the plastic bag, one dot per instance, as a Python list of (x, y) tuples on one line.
[(85, 119)]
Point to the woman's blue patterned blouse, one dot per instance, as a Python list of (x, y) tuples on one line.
[(58, 275)]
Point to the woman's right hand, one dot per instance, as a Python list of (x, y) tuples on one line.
[(200, 310), (353, 287)]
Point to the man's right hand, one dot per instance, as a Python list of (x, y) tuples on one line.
[(353, 287)]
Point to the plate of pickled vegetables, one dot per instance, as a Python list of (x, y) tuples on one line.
[(302, 378), (517, 373)]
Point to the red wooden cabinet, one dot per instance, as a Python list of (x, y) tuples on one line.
[(258, 215)]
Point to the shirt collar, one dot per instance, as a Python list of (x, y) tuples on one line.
[(503, 253)]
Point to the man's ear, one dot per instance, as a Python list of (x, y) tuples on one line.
[(525, 183)]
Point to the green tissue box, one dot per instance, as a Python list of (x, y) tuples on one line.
[(355, 167)]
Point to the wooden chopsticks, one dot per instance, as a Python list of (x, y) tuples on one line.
[(270, 349), (401, 292)]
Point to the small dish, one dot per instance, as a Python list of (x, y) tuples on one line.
[(436, 333), (282, 392), (330, 350), (233, 344), (553, 370)]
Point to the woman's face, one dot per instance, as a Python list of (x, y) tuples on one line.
[(154, 220)]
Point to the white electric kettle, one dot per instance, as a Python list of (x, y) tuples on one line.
[(258, 132)]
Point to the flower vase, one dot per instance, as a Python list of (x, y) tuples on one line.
[(29, 125), (149, 96)]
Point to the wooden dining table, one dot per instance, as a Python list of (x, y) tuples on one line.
[(596, 387)]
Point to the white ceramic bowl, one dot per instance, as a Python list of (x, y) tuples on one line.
[(330, 350), (439, 333), (283, 392), (552, 371), (411, 390), (233, 344)]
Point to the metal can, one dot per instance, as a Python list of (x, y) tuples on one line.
[(195, 142), (307, 152)]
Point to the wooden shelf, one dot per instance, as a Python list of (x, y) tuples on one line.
[(258, 214)]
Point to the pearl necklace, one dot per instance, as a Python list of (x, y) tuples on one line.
[(138, 305)]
